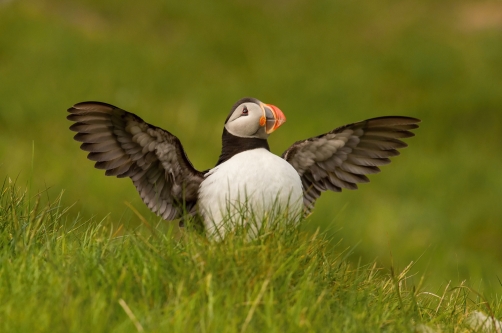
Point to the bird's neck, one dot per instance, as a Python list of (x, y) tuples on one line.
[(233, 145)]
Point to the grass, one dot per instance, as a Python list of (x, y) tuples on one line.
[(325, 63), (59, 274)]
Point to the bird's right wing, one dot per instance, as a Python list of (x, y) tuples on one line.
[(125, 146)]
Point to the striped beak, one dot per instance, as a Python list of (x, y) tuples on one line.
[(273, 116)]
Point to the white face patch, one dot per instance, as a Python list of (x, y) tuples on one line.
[(245, 121)]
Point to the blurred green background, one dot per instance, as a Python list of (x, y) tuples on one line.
[(182, 64)]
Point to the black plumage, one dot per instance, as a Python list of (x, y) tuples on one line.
[(125, 146), (232, 145), (341, 158)]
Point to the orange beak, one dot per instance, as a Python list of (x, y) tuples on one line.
[(273, 116)]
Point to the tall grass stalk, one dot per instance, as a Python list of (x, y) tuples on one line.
[(62, 275)]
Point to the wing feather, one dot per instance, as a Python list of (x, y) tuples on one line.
[(125, 146), (342, 158)]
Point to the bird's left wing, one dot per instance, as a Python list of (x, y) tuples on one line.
[(343, 157), (125, 146)]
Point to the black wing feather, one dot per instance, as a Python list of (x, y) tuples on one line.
[(342, 158), (125, 146)]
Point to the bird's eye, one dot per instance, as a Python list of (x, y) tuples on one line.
[(245, 111)]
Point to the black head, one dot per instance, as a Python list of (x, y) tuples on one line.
[(248, 126)]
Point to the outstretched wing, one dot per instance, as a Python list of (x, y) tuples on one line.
[(125, 146), (343, 157)]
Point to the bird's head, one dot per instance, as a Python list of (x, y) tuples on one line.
[(250, 118)]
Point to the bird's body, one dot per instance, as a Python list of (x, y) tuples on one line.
[(249, 184)]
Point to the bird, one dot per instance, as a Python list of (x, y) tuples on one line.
[(249, 183)]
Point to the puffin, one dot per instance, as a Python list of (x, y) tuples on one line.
[(249, 184)]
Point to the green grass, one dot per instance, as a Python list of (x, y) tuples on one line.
[(59, 274), (181, 65)]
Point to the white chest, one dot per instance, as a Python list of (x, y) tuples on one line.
[(251, 187)]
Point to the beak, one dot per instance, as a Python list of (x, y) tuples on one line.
[(273, 116)]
